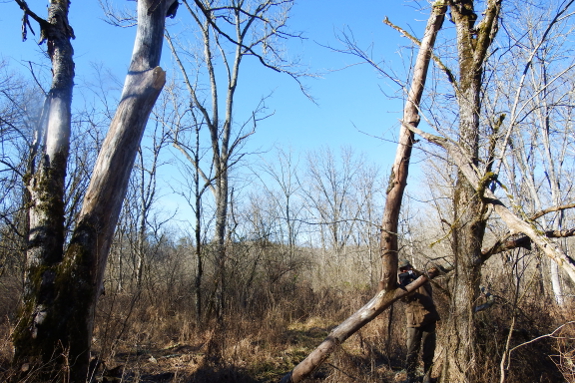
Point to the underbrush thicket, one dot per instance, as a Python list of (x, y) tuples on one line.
[(275, 314)]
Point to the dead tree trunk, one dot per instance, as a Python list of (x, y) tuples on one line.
[(347, 328), (388, 293), (400, 168), (45, 185), (56, 322)]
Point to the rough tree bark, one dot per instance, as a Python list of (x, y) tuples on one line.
[(473, 41), (56, 321), (389, 292)]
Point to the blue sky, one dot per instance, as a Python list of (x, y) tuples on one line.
[(351, 108)]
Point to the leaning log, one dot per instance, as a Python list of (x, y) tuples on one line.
[(347, 328)]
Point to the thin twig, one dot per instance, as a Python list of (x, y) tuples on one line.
[(538, 338)]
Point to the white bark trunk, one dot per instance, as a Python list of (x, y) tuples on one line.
[(556, 283), (63, 323)]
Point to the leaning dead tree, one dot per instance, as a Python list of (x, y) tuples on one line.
[(399, 171), (63, 283), (389, 292)]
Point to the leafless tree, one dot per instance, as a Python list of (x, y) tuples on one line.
[(332, 201), (483, 135), (538, 165), (287, 204), (389, 293), (18, 114), (63, 282), (231, 31)]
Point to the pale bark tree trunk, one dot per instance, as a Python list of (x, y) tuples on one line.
[(552, 156), (555, 184), (222, 194), (388, 292), (556, 283), (542, 104), (56, 323), (198, 193), (399, 170), (46, 190)]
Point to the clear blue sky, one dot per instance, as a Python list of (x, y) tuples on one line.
[(348, 100)]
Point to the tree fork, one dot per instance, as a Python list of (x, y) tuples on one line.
[(57, 330)]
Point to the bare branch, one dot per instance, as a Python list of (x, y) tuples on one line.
[(550, 335), (414, 40), (551, 210), (514, 223), (25, 23)]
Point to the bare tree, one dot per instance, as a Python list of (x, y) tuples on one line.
[(333, 203), (473, 44), (19, 112), (287, 204), (63, 284), (538, 166), (185, 129), (231, 31), (390, 293), (473, 195)]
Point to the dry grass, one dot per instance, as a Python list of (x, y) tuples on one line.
[(142, 342)]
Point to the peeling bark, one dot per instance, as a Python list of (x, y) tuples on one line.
[(56, 323)]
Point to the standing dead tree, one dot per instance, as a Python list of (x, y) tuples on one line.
[(389, 292), (62, 283)]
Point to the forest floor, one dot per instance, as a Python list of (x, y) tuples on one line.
[(248, 360), (151, 345)]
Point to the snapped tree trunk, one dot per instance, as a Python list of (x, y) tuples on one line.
[(55, 328), (388, 293)]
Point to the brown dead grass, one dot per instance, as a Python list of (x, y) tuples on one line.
[(155, 344)]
